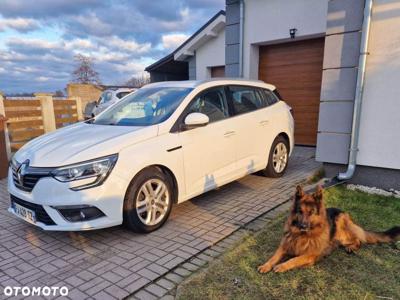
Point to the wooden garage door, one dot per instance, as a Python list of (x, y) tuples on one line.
[(218, 71), (296, 70)]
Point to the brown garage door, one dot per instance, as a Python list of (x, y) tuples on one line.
[(218, 71), (296, 70)]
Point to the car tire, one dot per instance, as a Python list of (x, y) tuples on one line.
[(144, 211), (278, 159)]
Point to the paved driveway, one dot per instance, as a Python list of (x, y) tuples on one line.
[(115, 262)]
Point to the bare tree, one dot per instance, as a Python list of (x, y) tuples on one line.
[(139, 80), (58, 93), (84, 71)]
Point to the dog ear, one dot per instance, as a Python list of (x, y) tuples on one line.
[(318, 194), (299, 193)]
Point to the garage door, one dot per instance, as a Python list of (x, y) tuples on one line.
[(217, 71), (296, 70)]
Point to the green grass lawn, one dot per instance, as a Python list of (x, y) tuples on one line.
[(371, 273)]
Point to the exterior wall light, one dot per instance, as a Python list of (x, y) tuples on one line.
[(292, 32)]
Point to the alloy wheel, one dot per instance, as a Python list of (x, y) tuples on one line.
[(280, 157), (152, 202)]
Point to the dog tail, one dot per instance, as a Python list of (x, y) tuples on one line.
[(387, 236)]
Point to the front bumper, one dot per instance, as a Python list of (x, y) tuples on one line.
[(49, 193)]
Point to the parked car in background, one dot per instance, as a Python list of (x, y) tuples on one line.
[(164, 144), (108, 98)]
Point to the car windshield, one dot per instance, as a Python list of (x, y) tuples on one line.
[(145, 107)]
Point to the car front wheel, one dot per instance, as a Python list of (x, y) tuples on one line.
[(148, 201), (278, 158)]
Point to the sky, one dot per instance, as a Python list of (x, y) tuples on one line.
[(39, 38)]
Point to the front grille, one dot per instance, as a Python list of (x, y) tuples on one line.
[(41, 214), (31, 177)]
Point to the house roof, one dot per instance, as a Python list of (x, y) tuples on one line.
[(191, 41)]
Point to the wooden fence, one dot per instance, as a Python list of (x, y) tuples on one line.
[(27, 119), (65, 112)]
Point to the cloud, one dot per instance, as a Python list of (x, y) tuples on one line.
[(38, 39), (128, 45), (46, 8), (19, 24), (173, 41)]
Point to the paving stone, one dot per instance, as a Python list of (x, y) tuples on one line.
[(190, 266), (167, 297), (136, 285), (144, 295), (168, 285), (156, 290), (77, 294), (174, 277), (211, 253), (116, 291), (103, 296), (157, 269), (198, 261), (182, 272)]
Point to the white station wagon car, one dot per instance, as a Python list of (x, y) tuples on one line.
[(164, 144)]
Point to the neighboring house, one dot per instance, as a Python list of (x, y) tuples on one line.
[(201, 56), (310, 50)]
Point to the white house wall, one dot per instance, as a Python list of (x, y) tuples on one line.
[(379, 143), (269, 21), (210, 54)]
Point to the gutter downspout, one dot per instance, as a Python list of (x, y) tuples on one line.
[(355, 130), (241, 34)]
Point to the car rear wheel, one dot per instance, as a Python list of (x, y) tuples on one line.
[(278, 158), (148, 201)]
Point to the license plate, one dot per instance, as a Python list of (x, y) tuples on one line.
[(25, 213)]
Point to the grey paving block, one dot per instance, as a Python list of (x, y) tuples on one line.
[(156, 290), (174, 277), (166, 284)]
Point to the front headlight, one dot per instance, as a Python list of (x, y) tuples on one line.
[(98, 169)]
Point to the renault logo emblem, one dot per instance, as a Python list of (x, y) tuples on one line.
[(21, 172)]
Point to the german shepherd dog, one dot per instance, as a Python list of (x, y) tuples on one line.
[(312, 232)]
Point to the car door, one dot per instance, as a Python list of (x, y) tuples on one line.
[(252, 128), (209, 152)]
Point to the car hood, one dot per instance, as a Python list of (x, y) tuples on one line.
[(81, 142)]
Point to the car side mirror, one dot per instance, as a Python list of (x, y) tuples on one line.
[(195, 120)]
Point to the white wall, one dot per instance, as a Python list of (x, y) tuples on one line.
[(379, 143), (210, 54), (269, 21)]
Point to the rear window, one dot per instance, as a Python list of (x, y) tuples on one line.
[(270, 97), (276, 93)]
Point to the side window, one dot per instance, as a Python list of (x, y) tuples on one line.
[(270, 97), (211, 103), (245, 99), (107, 97)]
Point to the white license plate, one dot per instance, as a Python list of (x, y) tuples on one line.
[(25, 213)]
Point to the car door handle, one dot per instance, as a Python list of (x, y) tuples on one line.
[(229, 133), (264, 122)]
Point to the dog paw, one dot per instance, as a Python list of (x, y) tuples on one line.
[(349, 250), (264, 268), (280, 268)]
